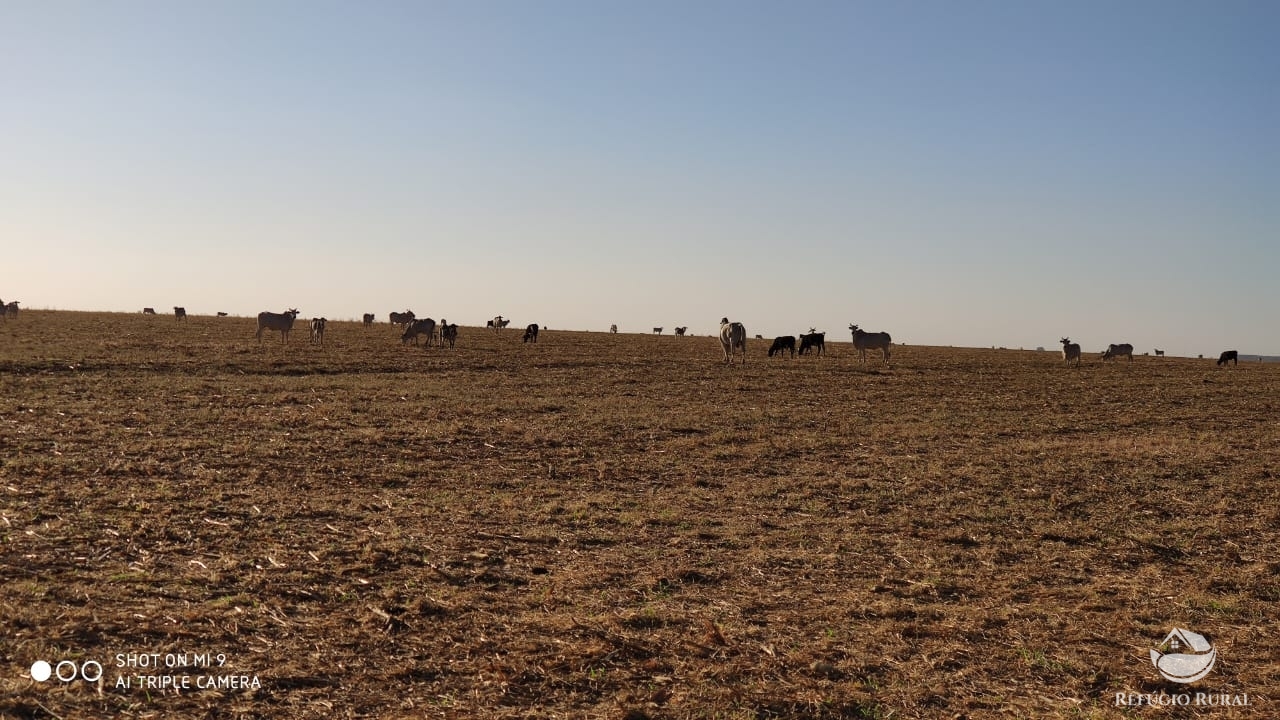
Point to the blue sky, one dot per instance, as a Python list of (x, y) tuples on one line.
[(969, 173)]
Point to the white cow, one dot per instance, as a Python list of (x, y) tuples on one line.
[(1070, 351), (277, 321), (498, 323), (864, 341), (733, 337)]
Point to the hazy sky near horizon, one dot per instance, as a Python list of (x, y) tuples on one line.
[(969, 173)]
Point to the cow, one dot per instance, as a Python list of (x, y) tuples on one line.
[(782, 344), (11, 309), (1228, 356), (1114, 351), (680, 330), (221, 314), (613, 329), (657, 331), (368, 319), (759, 337), (498, 323), (531, 333), (148, 311), (1070, 351), (179, 313), (425, 326), (317, 330), (402, 318), (448, 333), (864, 341), (733, 337), (813, 341), (1159, 352), (277, 321)]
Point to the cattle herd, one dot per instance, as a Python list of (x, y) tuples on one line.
[(733, 335)]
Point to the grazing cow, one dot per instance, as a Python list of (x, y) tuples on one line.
[(402, 318), (657, 331), (425, 326), (148, 311), (277, 321), (1159, 352), (1070, 351), (759, 337), (1228, 356), (448, 333), (368, 319), (1114, 351), (498, 323), (221, 314), (813, 340), (179, 313), (317, 330), (613, 329), (782, 344), (733, 337), (864, 341), (680, 330), (531, 333)]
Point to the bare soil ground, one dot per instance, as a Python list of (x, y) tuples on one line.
[(621, 526)]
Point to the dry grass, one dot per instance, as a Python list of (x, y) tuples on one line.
[(610, 526)]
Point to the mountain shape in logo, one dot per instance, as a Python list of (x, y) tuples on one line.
[(1184, 656)]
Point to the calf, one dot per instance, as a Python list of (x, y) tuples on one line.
[(782, 344), (317, 330)]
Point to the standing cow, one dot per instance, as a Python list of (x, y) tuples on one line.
[(277, 321), (864, 341), (179, 313), (317, 330), (733, 338)]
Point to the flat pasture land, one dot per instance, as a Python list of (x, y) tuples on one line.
[(621, 526)]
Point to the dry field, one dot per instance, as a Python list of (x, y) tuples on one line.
[(620, 526)]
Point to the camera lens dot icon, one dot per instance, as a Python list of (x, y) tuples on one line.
[(41, 671)]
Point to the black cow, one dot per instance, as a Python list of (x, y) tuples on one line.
[(783, 344), (1228, 356), (531, 333), (813, 340)]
